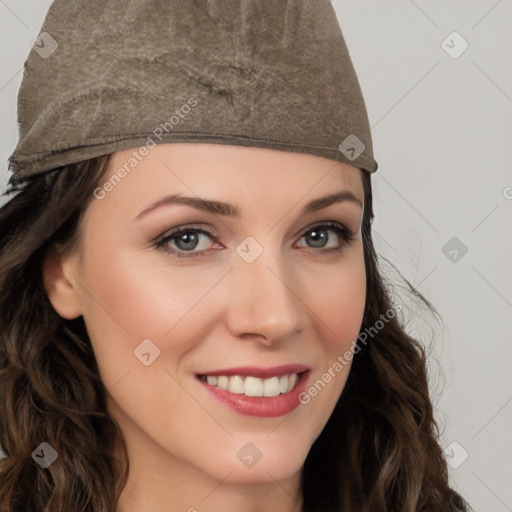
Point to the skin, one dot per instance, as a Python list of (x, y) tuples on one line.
[(296, 303)]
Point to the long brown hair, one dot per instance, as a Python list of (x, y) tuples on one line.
[(379, 451)]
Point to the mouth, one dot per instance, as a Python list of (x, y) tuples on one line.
[(256, 391), (254, 386)]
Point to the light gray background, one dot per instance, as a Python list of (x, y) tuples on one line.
[(443, 139)]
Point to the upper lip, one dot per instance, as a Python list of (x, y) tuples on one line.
[(262, 373)]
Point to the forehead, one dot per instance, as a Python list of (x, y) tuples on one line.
[(220, 167)]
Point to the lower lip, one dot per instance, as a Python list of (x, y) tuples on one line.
[(263, 406)]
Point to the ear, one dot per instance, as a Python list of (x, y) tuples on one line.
[(60, 285)]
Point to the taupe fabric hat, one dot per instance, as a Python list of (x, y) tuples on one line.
[(107, 75)]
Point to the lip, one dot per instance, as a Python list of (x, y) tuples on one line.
[(262, 373), (265, 407)]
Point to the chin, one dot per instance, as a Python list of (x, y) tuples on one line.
[(272, 460)]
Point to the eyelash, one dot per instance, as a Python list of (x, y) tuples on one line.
[(343, 232)]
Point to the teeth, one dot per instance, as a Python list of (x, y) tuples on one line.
[(271, 387), (253, 386), (236, 385), (291, 381), (223, 382), (211, 379), (283, 384)]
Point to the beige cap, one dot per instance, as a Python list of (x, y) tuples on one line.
[(107, 75)]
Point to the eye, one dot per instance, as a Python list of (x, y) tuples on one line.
[(193, 241), (185, 240), (317, 236)]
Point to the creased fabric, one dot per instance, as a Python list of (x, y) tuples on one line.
[(107, 75)]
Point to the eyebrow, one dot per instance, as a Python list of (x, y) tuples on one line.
[(226, 209)]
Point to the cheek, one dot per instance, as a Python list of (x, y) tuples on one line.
[(337, 295), (129, 297), (335, 300)]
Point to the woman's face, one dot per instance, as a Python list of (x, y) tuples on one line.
[(262, 288)]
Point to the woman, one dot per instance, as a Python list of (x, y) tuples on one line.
[(193, 316)]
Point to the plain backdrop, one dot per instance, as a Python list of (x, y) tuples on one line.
[(442, 132)]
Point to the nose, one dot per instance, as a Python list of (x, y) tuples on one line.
[(263, 303)]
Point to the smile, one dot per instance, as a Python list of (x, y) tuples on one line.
[(273, 393), (253, 386)]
